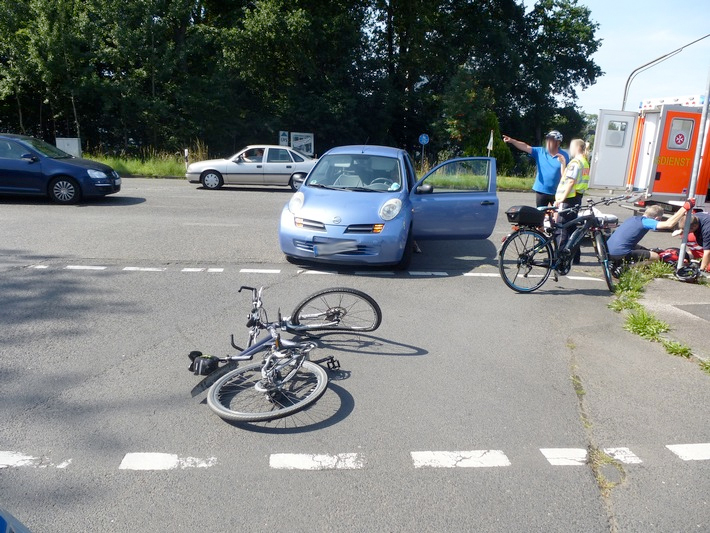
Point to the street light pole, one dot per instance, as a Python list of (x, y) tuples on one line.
[(653, 63), (699, 145)]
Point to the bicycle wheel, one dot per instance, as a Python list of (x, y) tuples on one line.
[(525, 260), (235, 397), (603, 256), (338, 309)]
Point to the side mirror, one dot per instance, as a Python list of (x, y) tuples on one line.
[(425, 188), (239, 159), (30, 157)]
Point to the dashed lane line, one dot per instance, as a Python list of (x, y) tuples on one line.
[(465, 459), (306, 461), (84, 267), (10, 459), (163, 461), (143, 269), (691, 452), (260, 271), (355, 461)]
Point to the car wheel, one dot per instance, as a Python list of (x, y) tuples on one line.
[(64, 190), (211, 179)]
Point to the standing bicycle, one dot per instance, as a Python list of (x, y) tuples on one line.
[(285, 380), (530, 253)]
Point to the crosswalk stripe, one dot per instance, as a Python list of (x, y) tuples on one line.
[(623, 455)]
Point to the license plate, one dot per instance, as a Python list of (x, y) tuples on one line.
[(332, 248)]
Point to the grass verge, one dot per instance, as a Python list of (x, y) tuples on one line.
[(639, 320)]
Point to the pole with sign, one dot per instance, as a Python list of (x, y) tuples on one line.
[(423, 140)]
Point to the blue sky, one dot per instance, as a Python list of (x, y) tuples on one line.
[(635, 32)]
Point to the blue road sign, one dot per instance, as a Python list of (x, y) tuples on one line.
[(423, 139)]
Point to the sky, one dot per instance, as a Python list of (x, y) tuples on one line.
[(634, 32)]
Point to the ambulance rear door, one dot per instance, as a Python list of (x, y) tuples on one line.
[(612, 149), (675, 152)]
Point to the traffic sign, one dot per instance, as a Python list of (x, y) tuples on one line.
[(423, 139), (283, 138)]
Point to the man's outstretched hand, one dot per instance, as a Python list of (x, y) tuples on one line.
[(689, 204)]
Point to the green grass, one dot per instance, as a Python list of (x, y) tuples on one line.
[(624, 301), (155, 166), (513, 183), (633, 280), (705, 366), (646, 325), (677, 348)]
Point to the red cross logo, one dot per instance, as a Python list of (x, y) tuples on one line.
[(679, 139)]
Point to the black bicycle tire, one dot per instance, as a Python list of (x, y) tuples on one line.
[(353, 292), (501, 267), (603, 256), (236, 416)]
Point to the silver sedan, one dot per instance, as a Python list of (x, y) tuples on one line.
[(254, 165)]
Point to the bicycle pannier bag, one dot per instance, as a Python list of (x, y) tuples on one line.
[(525, 215)]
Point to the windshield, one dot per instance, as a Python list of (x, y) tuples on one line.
[(46, 149), (357, 172)]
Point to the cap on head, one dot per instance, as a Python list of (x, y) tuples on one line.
[(555, 135)]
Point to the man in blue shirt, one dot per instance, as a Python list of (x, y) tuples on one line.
[(549, 161), (623, 243), (700, 225)]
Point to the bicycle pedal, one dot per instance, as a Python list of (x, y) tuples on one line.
[(332, 364)]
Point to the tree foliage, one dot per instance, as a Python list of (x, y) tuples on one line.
[(163, 73)]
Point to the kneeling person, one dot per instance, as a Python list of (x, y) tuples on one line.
[(623, 244)]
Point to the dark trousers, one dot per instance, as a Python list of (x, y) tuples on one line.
[(563, 234), (543, 200)]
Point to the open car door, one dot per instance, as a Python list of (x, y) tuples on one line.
[(456, 200)]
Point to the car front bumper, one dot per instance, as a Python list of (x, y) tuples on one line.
[(335, 244), (100, 187), (193, 177)]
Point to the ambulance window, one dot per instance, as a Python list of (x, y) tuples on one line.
[(615, 133), (681, 133)]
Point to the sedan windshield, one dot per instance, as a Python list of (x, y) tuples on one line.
[(47, 149), (357, 172)]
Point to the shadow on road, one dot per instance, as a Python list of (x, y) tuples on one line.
[(367, 344), (109, 201)]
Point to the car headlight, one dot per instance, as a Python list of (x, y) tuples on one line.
[(97, 174), (296, 202), (390, 209)]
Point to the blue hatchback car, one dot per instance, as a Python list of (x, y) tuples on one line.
[(31, 166), (364, 205)]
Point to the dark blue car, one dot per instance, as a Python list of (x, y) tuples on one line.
[(31, 166)]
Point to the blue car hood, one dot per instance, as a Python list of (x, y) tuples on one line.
[(84, 163), (351, 207)]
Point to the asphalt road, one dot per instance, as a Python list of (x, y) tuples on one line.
[(93, 368)]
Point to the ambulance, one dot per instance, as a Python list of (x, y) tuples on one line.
[(652, 151)]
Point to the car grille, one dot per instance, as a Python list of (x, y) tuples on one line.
[(361, 249)]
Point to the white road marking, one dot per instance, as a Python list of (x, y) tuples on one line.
[(469, 459), (584, 278), (482, 274), (85, 267), (10, 459), (260, 271), (163, 461), (623, 455), (39, 267), (425, 273), (215, 270), (691, 452), (565, 456), (307, 461), (143, 269), (192, 270)]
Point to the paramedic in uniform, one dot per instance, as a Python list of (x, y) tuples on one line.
[(700, 226), (550, 162), (623, 243), (572, 187)]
